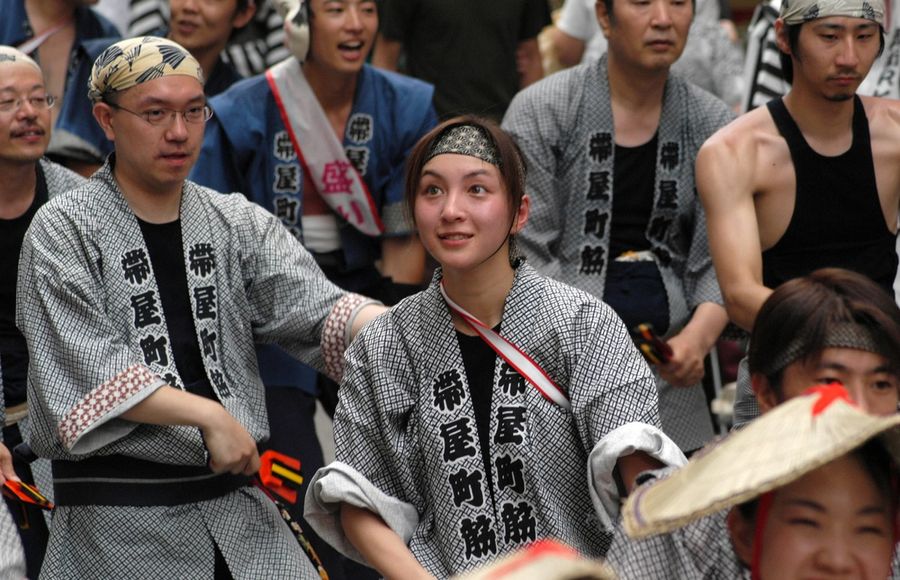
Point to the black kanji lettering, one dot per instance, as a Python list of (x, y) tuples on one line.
[(202, 259), (205, 302), (592, 259), (146, 311), (466, 487), (458, 439), (598, 186), (600, 147), (510, 473), (449, 390), (286, 208), (171, 380), (479, 537), (287, 178), (218, 379), (359, 128), (668, 155), (283, 148), (511, 381), (359, 158), (208, 341), (668, 194), (518, 522), (154, 349), (595, 222), (659, 226), (136, 266), (510, 425)]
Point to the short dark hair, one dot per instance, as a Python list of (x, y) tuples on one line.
[(812, 306), (793, 35), (512, 162)]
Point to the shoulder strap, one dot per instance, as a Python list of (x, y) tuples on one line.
[(514, 356)]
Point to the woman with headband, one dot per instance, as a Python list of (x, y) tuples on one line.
[(471, 411)]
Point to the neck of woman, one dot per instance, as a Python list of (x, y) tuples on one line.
[(480, 293)]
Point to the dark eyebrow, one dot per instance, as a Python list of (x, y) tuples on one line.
[(151, 100), (806, 503)]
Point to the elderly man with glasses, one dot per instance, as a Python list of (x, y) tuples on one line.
[(27, 180), (142, 295)]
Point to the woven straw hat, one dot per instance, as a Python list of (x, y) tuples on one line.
[(779, 447)]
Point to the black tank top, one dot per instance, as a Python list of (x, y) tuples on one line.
[(837, 220)]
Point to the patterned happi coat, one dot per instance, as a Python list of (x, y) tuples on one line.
[(89, 307), (564, 126), (407, 443)]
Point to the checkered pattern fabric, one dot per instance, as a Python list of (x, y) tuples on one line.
[(81, 276), (12, 558), (564, 126), (406, 422), (175, 542)]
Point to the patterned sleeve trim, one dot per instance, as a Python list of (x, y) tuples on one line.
[(94, 408), (336, 333)]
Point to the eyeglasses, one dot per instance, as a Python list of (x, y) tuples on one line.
[(164, 117), (38, 103)]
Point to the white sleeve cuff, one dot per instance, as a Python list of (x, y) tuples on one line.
[(622, 441)]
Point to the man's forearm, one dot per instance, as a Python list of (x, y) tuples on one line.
[(171, 406), (706, 325)]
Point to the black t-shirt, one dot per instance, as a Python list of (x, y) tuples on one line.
[(13, 350), (479, 359), (465, 48), (167, 258), (634, 177)]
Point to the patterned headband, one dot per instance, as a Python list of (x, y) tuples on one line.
[(466, 140), (10, 55), (845, 335), (800, 11), (131, 62)]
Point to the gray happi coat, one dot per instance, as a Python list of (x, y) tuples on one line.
[(407, 443), (89, 308), (564, 126)]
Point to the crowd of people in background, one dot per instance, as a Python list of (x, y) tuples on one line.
[(496, 242)]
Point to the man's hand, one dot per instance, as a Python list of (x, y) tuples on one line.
[(685, 368), (231, 448), (6, 465), (689, 347)]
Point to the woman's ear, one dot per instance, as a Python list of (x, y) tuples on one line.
[(766, 397), (521, 216)]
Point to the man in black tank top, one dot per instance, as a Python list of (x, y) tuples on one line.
[(811, 180)]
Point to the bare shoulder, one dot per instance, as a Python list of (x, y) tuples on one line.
[(884, 118), (741, 150)]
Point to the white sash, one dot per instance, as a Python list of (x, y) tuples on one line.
[(35, 42), (517, 359), (323, 156)]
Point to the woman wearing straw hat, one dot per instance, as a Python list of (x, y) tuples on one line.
[(830, 326), (815, 494), (449, 454)]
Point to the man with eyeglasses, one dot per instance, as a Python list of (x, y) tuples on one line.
[(27, 180), (143, 294)]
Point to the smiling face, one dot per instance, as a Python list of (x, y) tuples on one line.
[(341, 34), (646, 34), (201, 25), (24, 132), (832, 55), (158, 158), (832, 523), (463, 215)]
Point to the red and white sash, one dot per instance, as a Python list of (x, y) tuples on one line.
[(517, 359), (322, 156)]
